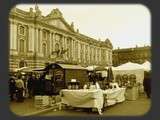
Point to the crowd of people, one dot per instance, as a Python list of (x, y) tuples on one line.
[(22, 86)]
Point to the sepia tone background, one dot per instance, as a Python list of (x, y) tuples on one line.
[(36, 40)]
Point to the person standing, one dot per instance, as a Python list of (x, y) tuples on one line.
[(30, 86), (147, 84), (20, 89), (12, 88), (24, 79)]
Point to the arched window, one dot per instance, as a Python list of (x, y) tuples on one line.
[(44, 49), (21, 30), (21, 45)]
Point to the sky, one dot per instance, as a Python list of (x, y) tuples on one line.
[(125, 25)]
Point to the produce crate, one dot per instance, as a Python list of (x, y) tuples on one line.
[(41, 101)]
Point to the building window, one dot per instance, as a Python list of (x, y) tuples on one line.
[(69, 48), (21, 47), (81, 52), (44, 49), (44, 35), (86, 53), (76, 50), (21, 30)]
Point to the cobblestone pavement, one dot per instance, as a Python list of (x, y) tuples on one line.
[(127, 108), (24, 108)]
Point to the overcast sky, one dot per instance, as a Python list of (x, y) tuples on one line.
[(125, 25)]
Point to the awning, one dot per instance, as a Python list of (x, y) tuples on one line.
[(65, 66)]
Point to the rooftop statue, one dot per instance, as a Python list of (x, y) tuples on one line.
[(55, 13), (38, 12)]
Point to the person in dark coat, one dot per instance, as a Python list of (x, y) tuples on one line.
[(12, 88), (147, 84), (30, 86), (36, 85)]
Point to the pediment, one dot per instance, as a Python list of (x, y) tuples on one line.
[(56, 19), (59, 24)]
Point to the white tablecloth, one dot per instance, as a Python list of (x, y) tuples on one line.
[(114, 96), (84, 98)]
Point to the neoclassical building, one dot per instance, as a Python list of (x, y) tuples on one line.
[(36, 39), (136, 55)]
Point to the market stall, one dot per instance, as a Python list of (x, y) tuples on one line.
[(61, 74), (83, 98), (127, 69)]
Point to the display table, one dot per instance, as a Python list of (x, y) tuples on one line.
[(83, 98), (114, 96)]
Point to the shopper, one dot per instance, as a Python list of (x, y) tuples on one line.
[(30, 86), (20, 89), (12, 88), (147, 84)]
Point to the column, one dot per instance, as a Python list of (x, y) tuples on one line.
[(64, 46), (96, 55), (11, 34), (89, 55), (72, 51), (41, 35), (106, 52), (111, 57), (30, 39), (84, 52), (78, 52), (14, 35), (35, 39), (63, 41), (50, 43), (38, 40), (71, 47), (99, 52), (53, 41), (73, 41)]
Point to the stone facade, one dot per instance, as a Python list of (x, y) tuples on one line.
[(34, 38), (136, 55)]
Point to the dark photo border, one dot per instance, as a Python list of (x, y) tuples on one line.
[(5, 7)]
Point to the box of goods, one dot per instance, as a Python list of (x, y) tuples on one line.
[(41, 101)]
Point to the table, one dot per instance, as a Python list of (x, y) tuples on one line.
[(83, 98), (114, 96)]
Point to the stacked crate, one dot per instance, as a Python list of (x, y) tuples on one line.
[(41, 101)]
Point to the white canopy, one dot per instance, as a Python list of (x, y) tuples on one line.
[(91, 68), (147, 66), (129, 66)]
